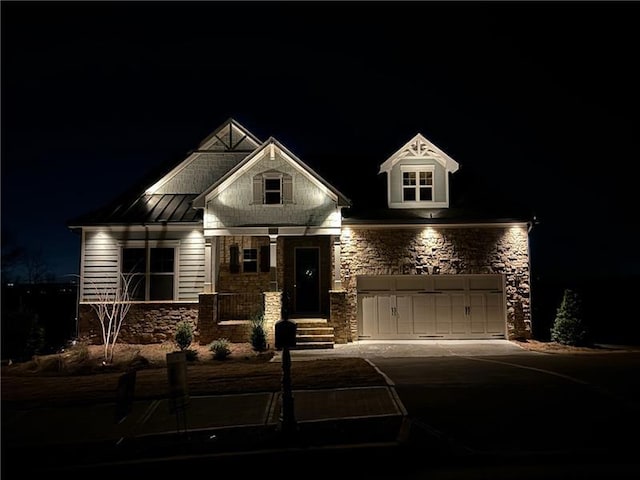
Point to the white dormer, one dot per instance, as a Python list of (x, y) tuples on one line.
[(418, 175)]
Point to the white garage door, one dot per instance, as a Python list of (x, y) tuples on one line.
[(434, 306)]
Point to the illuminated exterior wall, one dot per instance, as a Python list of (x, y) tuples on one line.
[(101, 258), (235, 205), (447, 250)]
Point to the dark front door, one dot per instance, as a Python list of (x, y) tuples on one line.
[(307, 280)]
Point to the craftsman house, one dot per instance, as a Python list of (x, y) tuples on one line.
[(242, 225)]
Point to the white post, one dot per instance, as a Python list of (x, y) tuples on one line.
[(337, 281)]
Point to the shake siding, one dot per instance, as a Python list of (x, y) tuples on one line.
[(204, 170), (235, 207)]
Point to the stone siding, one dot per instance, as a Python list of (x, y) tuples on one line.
[(145, 323), (339, 317), (404, 251)]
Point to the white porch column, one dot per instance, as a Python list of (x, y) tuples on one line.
[(207, 266), (215, 263), (273, 262), (211, 259), (337, 281)]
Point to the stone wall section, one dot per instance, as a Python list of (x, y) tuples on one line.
[(405, 251), (145, 323), (339, 317)]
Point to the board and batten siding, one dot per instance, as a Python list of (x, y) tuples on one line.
[(101, 259)]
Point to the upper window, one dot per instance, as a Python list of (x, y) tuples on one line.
[(417, 185), (153, 272), (272, 188), (253, 259), (250, 260)]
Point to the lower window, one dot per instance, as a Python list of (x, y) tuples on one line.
[(151, 272)]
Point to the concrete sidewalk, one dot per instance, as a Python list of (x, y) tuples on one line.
[(222, 424)]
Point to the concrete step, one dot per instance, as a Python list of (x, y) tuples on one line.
[(308, 337), (312, 345), (313, 333)]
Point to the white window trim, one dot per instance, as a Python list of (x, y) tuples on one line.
[(148, 245), (272, 176), (418, 169)]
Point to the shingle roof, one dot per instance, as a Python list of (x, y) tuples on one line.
[(145, 209)]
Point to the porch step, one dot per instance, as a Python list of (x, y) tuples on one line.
[(313, 334)]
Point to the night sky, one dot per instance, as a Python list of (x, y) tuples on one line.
[(537, 102)]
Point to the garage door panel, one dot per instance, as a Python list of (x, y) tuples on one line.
[(459, 319), (404, 314), (386, 321), (424, 315), (495, 313), (444, 314), (369, 306), (449, 282), (458, 306), (477, 313)]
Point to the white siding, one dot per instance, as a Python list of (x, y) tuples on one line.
[(100, 263), (191, 267), (101, 259)]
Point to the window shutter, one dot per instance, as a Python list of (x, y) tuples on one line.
[(287, 189), (234, 259), (265, 258), (257, 189)]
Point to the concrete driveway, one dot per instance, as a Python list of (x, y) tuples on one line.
[(412, 348)]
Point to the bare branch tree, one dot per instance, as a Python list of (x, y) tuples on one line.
[(112, 305), (36, 266)]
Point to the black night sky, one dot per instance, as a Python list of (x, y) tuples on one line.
[(538, 102)]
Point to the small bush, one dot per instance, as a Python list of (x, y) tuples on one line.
[(184, 335), (568, 327), (258, 333), (220, 348), (35, 342), (192, 354)]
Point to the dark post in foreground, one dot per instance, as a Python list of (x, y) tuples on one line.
[(285, 339), (178, 390)]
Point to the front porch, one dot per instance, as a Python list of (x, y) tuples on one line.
[(312, 332)]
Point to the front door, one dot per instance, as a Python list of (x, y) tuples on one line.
[(307, 280)]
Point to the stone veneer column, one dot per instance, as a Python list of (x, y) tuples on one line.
[(338, 318), (272, 314), (207, 317)]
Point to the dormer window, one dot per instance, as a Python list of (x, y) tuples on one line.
[(417, 183), (272, 188)]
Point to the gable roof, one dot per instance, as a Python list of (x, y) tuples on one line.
[(420, 147), (228, 137), (268, 148)]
